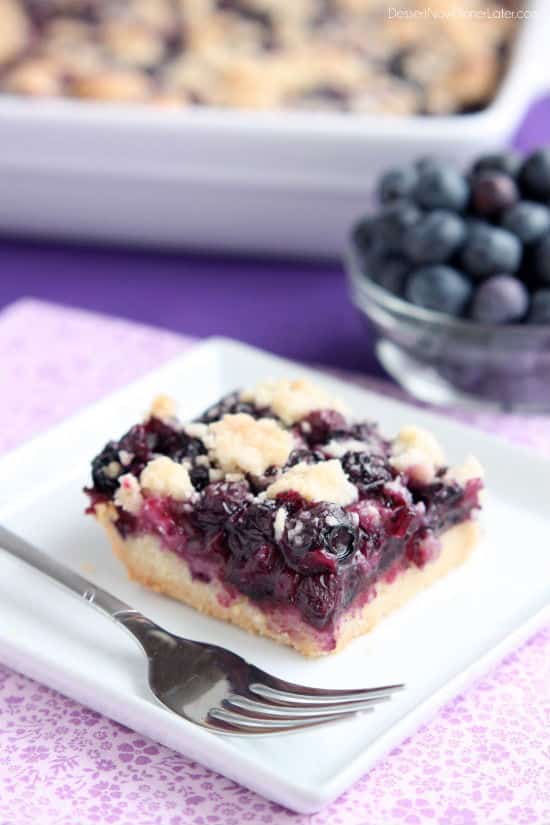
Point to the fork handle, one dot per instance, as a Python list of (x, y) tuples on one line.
[(84, 588)]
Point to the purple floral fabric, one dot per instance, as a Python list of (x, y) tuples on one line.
[(483, 760)]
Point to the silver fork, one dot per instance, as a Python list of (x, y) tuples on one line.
[(204, 683)]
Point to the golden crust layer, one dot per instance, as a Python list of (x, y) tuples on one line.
[(148, 563)]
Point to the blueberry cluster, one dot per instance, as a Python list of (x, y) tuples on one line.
[(473, 245), (141, 443)]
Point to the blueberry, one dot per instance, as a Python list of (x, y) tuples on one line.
[(535, 174), (374, 260), (507, 162), (542, 259), (441, 288), (527, 220), (317, 539), (368, 432), (340, 540), (174, 443), (501, 299), (165, 439), (492, 192), (303, 456), (364, 233), (489, 250), (392, 223), (250, 528), (540, 307), (441, 187), (319, 426), (434, 238), (427, 162), (396, 184), (106, 481), (230, 405), (218, 503), (258, 574), (317, 598), (137, 442), (390, 273), (366, 471), (200, 477)]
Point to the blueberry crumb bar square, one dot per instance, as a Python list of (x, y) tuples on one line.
[(276, 511)]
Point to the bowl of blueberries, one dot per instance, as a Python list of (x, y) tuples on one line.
[(452, 273)]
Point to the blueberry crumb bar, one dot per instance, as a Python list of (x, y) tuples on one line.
[(276, 511)]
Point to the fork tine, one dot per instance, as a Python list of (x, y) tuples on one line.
[(220, 727), (254, 706), (266, 710), (280, 692), (231, 721)]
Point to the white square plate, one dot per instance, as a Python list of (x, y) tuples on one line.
[(435, 644)]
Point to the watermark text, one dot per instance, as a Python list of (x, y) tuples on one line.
[(459, 13)]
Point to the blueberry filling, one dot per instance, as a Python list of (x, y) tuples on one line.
[(219, 503), (313, 559), (368, 472), (103, 481), (250, 528), (230, 405), (131, 453)]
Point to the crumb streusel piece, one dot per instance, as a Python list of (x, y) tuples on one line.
[(275, 511), (345, 55)]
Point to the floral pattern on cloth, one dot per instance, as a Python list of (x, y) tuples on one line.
[(483, 760)]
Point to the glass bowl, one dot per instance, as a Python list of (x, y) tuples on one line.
[(444, 360)]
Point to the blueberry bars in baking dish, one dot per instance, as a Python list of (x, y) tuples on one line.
[(276, 511), (337, 55)]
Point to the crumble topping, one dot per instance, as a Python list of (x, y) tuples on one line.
[(125, 457), (292, 400), (118, 86), (163, 407), (338, 448), (165, 477), (133, 43), (231, 477), (418, 453), (468, 470), (242, 444), (128, 495), (279, 523), (113, 469), (14, 31), (354, 518), (195, 429), (325, 481)]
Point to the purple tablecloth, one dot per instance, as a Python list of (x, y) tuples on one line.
[(483, 760)]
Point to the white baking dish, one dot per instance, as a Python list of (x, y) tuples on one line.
[(285, 182)]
